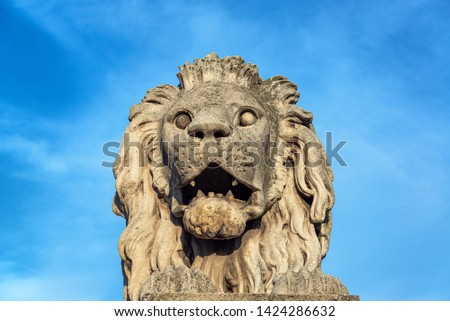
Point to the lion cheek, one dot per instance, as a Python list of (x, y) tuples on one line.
[(214, 219)]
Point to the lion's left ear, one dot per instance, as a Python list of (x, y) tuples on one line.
[(313, 175)]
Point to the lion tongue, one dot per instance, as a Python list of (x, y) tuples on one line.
[(214, 218)]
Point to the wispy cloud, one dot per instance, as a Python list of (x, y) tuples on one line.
[(26, 140), (36, 154), (70, 21)]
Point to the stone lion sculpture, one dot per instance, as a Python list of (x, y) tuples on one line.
[(224, 186)]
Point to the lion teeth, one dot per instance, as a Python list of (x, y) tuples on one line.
[(234, 183), (219, 195), (192, 183), (211, 194), (200, 193), (179, 210), (254, 199), (230, 195)]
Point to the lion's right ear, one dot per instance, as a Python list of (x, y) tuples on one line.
[(313, 175)]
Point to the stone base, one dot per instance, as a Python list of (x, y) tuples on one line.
[(184, 284), (245, 297)]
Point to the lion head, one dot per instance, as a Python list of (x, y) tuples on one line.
[(223, 174)]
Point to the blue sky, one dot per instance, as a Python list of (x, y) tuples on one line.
[(375, 73)]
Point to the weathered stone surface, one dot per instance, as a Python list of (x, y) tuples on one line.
[(246, 297), (177, 280), (225, 188), (309, 283)]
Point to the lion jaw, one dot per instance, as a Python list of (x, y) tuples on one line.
[(216, 208)]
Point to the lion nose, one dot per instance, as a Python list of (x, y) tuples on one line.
[(209, 129)]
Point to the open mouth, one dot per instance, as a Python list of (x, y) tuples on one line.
[(216, 205), (216, 182)]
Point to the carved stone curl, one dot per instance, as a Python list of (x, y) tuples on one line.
[(224, 186)]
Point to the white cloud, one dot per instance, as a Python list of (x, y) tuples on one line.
[(72, 22), (37, 154)]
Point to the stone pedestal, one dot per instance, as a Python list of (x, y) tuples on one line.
[(184, 284), (245, 297)]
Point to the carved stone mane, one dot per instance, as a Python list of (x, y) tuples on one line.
[(224, 186)]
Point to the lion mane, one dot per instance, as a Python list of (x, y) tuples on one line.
[(294, 231)]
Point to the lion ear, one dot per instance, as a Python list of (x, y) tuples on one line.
[(313, 175), (139, 154)]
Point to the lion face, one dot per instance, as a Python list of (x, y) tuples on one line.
[(216, 145)]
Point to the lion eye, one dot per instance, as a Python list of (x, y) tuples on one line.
[(182, 120), (247, 118)]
